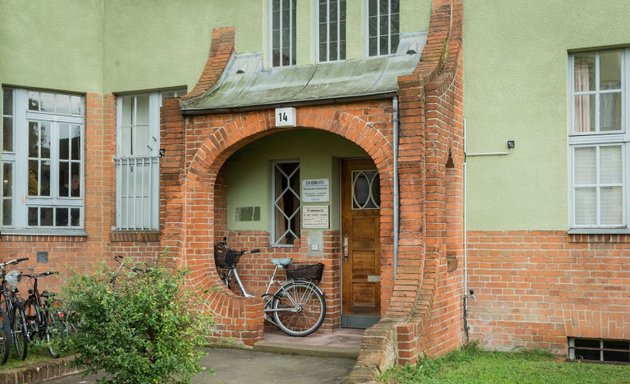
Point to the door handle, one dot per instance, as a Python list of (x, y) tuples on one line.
[(345, 248)]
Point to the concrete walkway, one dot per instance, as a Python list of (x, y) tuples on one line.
[(236, 366)]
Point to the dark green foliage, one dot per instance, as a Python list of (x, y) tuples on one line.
[(146, 329)]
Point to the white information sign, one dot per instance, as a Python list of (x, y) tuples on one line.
[(315, 216), (315, 191)]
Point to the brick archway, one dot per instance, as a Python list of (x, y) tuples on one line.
[(210, 140)]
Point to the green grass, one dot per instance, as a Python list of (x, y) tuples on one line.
[(471, 365), (37, 352)]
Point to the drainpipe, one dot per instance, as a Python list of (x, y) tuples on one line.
[(396, 187)]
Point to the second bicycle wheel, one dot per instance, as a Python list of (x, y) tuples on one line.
[(299, 308), (20, 332), (5, 336)]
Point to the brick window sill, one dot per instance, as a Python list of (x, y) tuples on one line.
[(576, 236), (134, 236)]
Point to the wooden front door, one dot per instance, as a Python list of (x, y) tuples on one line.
[(360, 245)]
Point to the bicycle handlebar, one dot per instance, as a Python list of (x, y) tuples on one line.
[(15, 261), (43, 274)]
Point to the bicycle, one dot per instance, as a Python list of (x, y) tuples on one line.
[(298, 305), (121, 264), (43, 320), (13, 306)]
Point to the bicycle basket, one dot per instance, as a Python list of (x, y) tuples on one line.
[(13, 278), (224, 257), (312, 272)]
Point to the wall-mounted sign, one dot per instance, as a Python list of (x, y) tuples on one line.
[(285, 117), (315, 191), (315, 216)]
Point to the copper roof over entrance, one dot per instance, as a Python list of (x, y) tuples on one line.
[(247, 85)]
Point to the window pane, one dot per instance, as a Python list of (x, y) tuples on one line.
[(286, 203), (7, 180), (33, 101), (125, 143), (585, 206), (75, 180), (46, 216), (585, 166), (127, 110), (612, 206), (611, 165), (33, 178), (141, 141), (610, 70), (33, 139), (76, 105), (33, 216), (64, 141), (7, 134), (584, 114), (142, 109), (44, 140), (61, 217), (7, 101), (75, 142), (47, 102), (610, 111), (75, 215), (64, 179), (62, 103), (7, 212), (45, 178), (584, 72)]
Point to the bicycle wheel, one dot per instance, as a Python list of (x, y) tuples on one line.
[(5, 334), (56, 329), (33, 319), (298, 308), (20, 333)]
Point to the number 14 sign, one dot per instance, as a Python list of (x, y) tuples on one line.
[(285, 117)]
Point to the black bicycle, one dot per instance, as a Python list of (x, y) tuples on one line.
[(44, 319), (13, 306)]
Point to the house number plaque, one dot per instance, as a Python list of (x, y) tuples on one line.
[(285, 117)]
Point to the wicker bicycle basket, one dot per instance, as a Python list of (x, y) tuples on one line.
[(312, 272), (224, 257)]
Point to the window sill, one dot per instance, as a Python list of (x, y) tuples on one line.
[(600, 235), (135, 236), (43, 235)]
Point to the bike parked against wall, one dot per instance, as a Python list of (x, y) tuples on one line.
[(297, 305), (12, 313)]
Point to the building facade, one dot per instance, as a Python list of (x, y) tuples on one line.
[(336, 132)]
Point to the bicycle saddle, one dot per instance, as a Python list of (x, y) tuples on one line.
[(282, 262)]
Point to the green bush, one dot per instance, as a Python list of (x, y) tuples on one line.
[(146, 329)]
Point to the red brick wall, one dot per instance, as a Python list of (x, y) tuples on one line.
[(84, 254), (536, 288)]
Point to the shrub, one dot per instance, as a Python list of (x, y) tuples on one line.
[(146, 329)]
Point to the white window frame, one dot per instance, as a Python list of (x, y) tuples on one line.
[(298, 212), (149, 220), (341, 26), (20, 158), (391, 49), (598, 139), (292, 33)]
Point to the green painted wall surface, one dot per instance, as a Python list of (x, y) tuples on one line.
[(516, 85), (56, 45), (249, 171)]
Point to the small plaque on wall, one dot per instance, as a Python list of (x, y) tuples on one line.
[(315, 191), (285, 117), (315, 216)]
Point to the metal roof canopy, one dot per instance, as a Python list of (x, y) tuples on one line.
[(246, 85)]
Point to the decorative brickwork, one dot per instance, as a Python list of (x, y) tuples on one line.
[(536, 288)]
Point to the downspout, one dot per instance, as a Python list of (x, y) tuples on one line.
[(471, 294), (396, 187)]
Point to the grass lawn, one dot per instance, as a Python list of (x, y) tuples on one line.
[(37, 352), (470, 365)]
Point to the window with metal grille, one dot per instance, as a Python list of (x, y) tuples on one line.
[(138, 160), (617, 351), (286, 203)]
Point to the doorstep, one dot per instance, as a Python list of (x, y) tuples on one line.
[(343, 342)]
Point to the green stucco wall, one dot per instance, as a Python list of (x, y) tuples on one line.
[(516, 83), (249, 171), (52, 44)]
